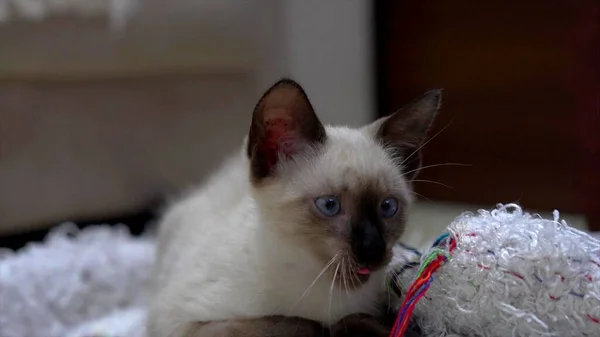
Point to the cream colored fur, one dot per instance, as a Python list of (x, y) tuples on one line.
[(229, 249)]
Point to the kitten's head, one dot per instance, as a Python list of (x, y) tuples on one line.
[(340, 193)]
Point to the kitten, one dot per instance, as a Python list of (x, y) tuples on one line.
[(292, 236)]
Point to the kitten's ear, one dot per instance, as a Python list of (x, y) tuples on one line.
[(405, 131), (284, 124)]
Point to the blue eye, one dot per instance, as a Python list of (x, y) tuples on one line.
[(329, 206), (389, 207)]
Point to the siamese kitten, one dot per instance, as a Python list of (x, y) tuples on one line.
[(292, 236)]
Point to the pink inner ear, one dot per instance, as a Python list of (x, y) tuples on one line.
[(278, 138)]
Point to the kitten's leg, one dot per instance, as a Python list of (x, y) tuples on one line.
[(360, 325), (271, 326)]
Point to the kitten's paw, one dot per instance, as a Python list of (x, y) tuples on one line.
[(359, 325)]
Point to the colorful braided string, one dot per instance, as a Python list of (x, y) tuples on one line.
[(436, 258)]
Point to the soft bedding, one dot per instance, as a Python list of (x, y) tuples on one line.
[(80, 283)]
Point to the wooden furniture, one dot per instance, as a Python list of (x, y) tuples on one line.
[(522, 97)]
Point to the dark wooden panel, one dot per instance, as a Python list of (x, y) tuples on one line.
[(587, 82), (512, 106)]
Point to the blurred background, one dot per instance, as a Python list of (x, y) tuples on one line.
[(107, 107)]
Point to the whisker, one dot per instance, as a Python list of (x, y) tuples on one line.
[(399, 283), (345, 279), (421, 195), (331, 290), (340, 292), (353, 278), (425, 143), (435, 165), (345, 282), (430, 181), (356, 284), (341, 303), (329, 264), (371, 303), (389, 296)]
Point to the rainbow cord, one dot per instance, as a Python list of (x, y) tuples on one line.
[(435, 259)]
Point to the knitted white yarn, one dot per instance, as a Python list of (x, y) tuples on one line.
[(35, 10), (75, 284), (514, 274)]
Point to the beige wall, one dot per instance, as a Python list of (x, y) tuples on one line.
[(88, 149), (327, 46), (79, 143)]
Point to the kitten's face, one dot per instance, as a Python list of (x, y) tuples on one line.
[(340, 193)]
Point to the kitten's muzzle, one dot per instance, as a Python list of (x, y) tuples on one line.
[(368, 245)]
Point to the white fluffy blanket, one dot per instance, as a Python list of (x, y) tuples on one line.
[(76, 284), (85, 283)]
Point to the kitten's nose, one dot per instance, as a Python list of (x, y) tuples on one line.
[(367, 244)]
